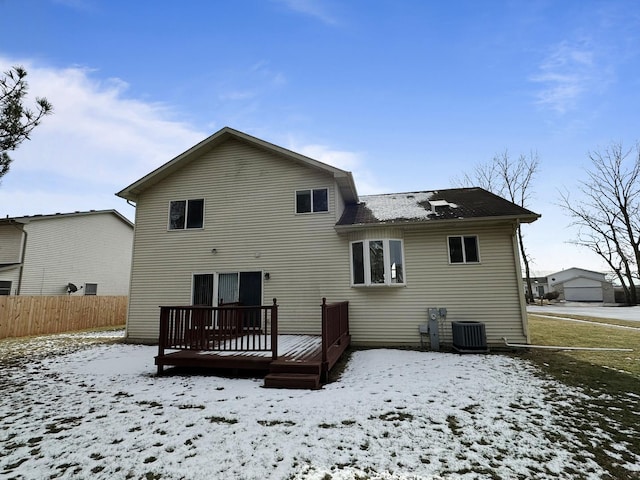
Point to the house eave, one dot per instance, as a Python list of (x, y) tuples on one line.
[(34, 218), (436, 223), (12, 221), (343, 178), (9, 266)]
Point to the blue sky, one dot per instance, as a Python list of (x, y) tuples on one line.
[(409, 95)]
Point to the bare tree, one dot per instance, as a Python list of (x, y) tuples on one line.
[(608, 212), (510, 179)]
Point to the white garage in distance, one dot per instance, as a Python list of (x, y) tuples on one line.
[(580, 285)]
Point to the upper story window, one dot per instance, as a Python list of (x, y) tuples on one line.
[(5, 287), (464, 249), (90, 288), (312, 201), (377, 262), (186, 214)]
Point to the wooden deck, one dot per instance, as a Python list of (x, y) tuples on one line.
[(300, 349), (193, 337)]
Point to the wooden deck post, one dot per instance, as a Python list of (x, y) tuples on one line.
[(162, 339), (274, 330), (324, 332)]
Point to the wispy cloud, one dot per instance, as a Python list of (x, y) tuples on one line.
[(100, 139), (313, 8), (97, 141), (566, 75), (263, 70), (366, 181), (251, 83), (237, 95)]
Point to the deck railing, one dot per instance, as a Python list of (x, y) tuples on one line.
[(226, 328), (335, 331)]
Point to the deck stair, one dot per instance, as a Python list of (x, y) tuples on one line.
[(293, 374), (308, 381)]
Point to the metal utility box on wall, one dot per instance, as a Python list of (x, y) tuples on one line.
[(469, 337), (435, 316)]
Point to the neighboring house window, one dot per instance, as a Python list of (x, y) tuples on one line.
[(5, 287), (464, 249), (90, 288), (186, 214), (377, 262), (312, 201)]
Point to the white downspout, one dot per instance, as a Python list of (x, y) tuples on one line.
[(555, 347), (518, 270)]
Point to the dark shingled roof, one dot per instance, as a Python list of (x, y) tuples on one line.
[(39, 216), (464, 203)]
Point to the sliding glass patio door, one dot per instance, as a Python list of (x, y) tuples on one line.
[(242, 288)]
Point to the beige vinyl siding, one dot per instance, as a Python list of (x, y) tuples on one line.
[(11, 240), (250, 220), (10, 243), (92, 248), (486, 292), (11, 275)]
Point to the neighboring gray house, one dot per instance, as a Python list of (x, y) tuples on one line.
[(80, 253), (238, 219), (580, 285)]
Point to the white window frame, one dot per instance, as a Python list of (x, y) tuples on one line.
[(193, 283), (216, 282), (186, 215), (310, 190), (464, 251), (386, 251)]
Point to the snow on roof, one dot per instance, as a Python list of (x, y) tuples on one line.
[(434, 205), (399, 205)]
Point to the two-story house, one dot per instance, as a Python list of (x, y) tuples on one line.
[(79, 253), (238, 219)]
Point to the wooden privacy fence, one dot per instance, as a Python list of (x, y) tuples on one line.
[(22, 316)]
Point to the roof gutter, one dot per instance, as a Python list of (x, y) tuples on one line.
[(435, 223)]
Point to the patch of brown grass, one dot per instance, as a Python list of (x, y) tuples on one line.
[(547, 331), (607, 417)]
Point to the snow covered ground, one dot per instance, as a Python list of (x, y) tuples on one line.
[(99, 412)]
